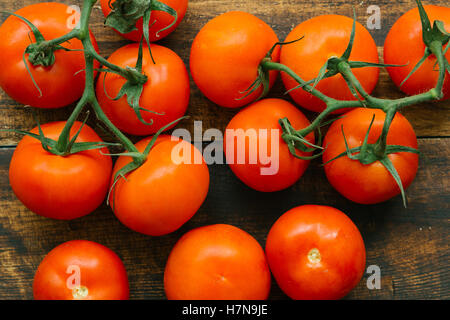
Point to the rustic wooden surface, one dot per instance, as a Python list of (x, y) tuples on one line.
[(411, 246)]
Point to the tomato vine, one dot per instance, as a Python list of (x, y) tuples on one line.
[(435, 39)]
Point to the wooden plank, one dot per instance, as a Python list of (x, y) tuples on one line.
[(411, 246), (429, 120)]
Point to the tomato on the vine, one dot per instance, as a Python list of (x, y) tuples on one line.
[(60, 187), (165, 192), (225, 56), (368, 183), (315, 252), (158, 20), (61, 83), (325, 37), (404, 46), (81, 270), (217, 262), (165, 92), (255, 150)]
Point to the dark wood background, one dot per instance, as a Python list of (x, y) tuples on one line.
[(411, 246)]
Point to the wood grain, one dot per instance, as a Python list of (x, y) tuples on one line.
[(411, 246)]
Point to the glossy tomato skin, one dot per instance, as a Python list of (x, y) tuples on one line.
[(404, 46), (158, 20), (166, 90), (284, 170), (315, 253), (368, 184), (162, 194), (98, 269), (60, 187), (327, 36), (225, 56), (217, 262), (62, 83)]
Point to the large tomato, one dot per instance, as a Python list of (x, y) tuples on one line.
[(255, 151), (81, 270), (166, 90), (404, 46), (166, 191), (225, 56), (217, 262), (372, 183), (60, 187), (315, 252), (61, 83), (325, 37), (158, 20)]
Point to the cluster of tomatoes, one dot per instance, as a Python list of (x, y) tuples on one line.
[(314, 252)]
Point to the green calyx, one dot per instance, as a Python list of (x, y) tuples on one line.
[(368, 153), (72, 147), (434, 37), (133, 87), (125, 13), (296, 141), (41, 52), (138, 159), (263, 76), (38, 54)]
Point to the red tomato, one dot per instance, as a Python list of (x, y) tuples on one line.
[(217, 262), (225, 56), (162, 194), (325, 37), (404, 45), (256, 134), (315, 252), (158, 20), (81, 270), (166, 90), (55, 186), (368, 184), (62, 83)]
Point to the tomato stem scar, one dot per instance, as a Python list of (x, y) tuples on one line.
[(314, 256)]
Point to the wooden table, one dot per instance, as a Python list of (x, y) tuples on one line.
[(411, 246)]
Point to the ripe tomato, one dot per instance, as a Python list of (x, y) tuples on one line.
[(158, 20), (165, 192), (166, 90), (225, 56), (315, 252), (325, 37), (217, 262), (81, 270), (61, 83), (368, 184), (55, 186), (404, 45), (257, 154)]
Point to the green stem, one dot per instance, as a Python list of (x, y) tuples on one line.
[(56, 41), (129, 146), (270, 65), (436, 49), (129, 73), (381, 144), (369, 101)]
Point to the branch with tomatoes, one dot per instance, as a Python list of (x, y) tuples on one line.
[(436, 43), (368, 159)]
